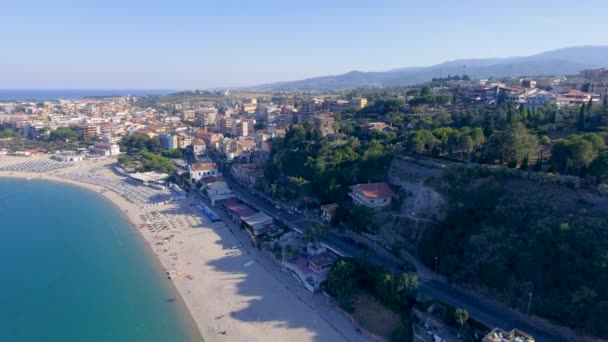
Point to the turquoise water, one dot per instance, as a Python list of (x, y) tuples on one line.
[(73, 269)]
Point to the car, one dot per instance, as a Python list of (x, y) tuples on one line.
[(348, 239), (290, 212), (278, 206), (402, 267)]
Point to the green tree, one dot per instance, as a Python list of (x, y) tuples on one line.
[(342, 279), (513, 144), (572, 154), (581, 123), (314, 233), (461, 316), (599, 167)]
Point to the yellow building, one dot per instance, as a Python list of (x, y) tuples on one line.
[(359, 102)]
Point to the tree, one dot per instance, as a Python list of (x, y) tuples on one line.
[(581, 118), (314, 233), (342, 279), (572, 154), (513, 144), (599, 167), (461, 316)]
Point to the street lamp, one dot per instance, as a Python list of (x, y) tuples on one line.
[(436, 262), (529, 303)]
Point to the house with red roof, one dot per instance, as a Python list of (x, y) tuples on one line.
[(372, 195)]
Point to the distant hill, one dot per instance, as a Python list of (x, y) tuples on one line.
[(555, 62)]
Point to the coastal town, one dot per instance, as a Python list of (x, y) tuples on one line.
[(214, 181)]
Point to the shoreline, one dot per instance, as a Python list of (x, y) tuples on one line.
[(228, 291), (99, 191)]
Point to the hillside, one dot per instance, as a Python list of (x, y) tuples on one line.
[(555, 62)]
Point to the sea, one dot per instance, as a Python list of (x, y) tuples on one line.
[(72, 268), (68, 94)]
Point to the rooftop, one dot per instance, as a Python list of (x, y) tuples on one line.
[(323, 259), (374, 190), (239, 208), (203, 166)]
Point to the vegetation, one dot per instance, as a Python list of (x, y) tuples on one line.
[(506, 238), (138, 154), (304, 162), (349, 276)]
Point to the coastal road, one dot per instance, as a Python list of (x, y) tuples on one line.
[(485, 311)]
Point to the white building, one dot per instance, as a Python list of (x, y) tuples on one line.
[(198, 147), (200, 170), (67, 156), (372, 195), (105, 149), (539, 99)]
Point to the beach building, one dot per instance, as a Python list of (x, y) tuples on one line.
[(67, 156), (105, 149), (216, 188), (255, 222)]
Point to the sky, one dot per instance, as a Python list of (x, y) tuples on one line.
[(199, 44)]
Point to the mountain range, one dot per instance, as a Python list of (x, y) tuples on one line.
[(563, 61)]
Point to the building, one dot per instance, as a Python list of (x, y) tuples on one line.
[(574, 97), (184, 141), (198, 146), (200, 170), (596, 75), (67, 156), (358, 102), (600, 88), (90, 132), (527, 83), (312, 268), (499, 335), (540, 98), (105, 149), (216, 188), (167, 141), (328, 212), (372, 195), (247, 174), (324, 122)]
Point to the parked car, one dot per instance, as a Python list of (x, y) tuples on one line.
[(278, 206), (290, 212)]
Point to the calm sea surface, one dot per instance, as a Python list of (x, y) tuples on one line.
[(53, 94), (73, 269)]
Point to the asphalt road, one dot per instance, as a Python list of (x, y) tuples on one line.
[(489, 313)]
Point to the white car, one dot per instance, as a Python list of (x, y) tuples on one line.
[(278, 206)]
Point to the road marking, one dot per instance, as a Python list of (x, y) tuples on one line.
[(247, 264)]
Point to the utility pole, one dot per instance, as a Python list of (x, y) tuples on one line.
[(436, 262), (529, 303)]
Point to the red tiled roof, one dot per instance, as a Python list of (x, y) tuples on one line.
[(203, 166), (375, 190), (239, 208)]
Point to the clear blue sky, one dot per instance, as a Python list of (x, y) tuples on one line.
[(200, 44)]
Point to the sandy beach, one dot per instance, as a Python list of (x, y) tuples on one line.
[(230, 290)]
